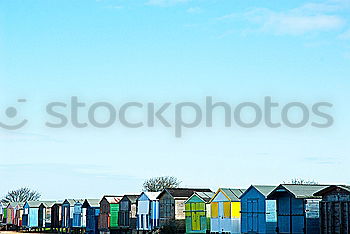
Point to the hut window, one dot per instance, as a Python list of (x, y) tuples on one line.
[(214, 209)]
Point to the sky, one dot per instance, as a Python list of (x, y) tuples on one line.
[(158, 51)]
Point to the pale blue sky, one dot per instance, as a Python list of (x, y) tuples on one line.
[(171, 50)]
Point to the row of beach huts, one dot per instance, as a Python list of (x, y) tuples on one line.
[(287, 208)]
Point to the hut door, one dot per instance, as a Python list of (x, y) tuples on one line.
[(41, 217), (253, 215), (196, 222), (221, 216)]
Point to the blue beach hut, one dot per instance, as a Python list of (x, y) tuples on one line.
[(147, 211), (30, 217), (91, 209), (67, 212), (258, 215), (297, 208), (78, 214)]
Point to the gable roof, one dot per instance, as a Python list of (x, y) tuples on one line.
[(263, 189), (331, 188), (72, 202), (231, 193), (49, 204), (151, 195), (58, 203), (33, 204), (204, 196), (91, 203), (81, 201), (131, 198), (302, 191), (15, 204), (182, 192), (112, 199)]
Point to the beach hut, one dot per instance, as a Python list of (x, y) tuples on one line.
[(197, 210), (225, 209), (91, 207), (127, 212), (258, 215), (172, 207), (45, 210), (335, 209), (31, 214), (109, 211), (14, 214), (147, 211), (56, 215), (18, 214), (67, 212), (10, 219), (3, 212), (297, 208), (78, 215)]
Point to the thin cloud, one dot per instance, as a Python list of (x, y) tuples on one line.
[(308, 18), (194, 10), (284, 23), (323, 160)]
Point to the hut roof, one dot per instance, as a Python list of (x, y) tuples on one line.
[(34, 204), (131, 198), (151, 195), (72, 202), (182, 192), (91, 202), (58, 203), (81, 201), (233, 194), (302, 191), (49, 204), (331, 188), (14, 204), (112, 199), (263, 189), (204, 196)]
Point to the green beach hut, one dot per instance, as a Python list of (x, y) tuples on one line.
[(108, 218), (197, 209)]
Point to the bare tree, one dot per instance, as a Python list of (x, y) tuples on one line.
[(301, 181), (21, 195), (157, 184)]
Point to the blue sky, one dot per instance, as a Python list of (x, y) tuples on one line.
[(171, 50)]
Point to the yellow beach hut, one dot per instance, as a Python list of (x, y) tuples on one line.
[(226, 211)]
